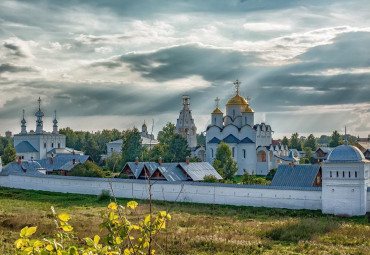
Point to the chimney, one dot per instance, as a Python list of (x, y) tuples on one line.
[(73, 161), (19, 160), (51, 158), (187, 160), (292, 164), (136, 160), (160, 161), (73, 153)]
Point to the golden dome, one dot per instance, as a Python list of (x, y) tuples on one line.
[(144, 125), (248, 110), (217, 111), (237, 100)]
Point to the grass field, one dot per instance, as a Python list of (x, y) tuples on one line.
[(194, 228)]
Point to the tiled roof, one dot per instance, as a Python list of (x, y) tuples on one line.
[(27, 167), (24, 146), (63, 161), (295, 176), (197, 170)]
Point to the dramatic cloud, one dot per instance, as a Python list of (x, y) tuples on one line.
[(112, 64)]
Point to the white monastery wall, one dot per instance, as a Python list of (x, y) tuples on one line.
[(241, 195)]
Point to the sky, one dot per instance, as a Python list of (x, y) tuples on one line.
[(305, 65)]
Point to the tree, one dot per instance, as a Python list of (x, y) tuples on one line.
[(285, 141), (311, 142), (178, 148), (295, 142), (309, 154), (201, 139), (270, 175), (9, 155), (336, 140), (156, 152), (114, 162), (324, 140), (87, 169), (91, 148), (131, 145), (224, 163), (165, 135), (210, 178)]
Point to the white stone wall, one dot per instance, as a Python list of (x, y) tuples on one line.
[(241, 195)]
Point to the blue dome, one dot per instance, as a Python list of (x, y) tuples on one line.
[(345, 153)]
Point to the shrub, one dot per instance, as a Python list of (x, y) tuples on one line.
[(270, 175), (210, 178), (123, 237), (87, 169), (104, 195), (251, 179)]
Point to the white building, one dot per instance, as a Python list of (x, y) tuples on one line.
[(251, 144), (38, 144), (345, 182), (147, 140), (185, 125)]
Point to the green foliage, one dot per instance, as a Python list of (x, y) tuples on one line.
[(178, 149), (335, 140), (270, 175), (309, 154), (4, 142), (91, 148), (156, 152), (87, 169), (324, 140), (224, 163), (252, 179), (122, 236), (311, 142), (210, 178), (285, 141), (9, 155), (114, 162), (104, 195), (295, 142), (201, 139), (131, 145), (165, 135)]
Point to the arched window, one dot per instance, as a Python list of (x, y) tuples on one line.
[(215, 120), (52, 145), (330, 174), (337, 174), (244, 153), (212, 153), (261, 156), (233, 149)]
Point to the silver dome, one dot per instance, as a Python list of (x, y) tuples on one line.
[(345, 153)]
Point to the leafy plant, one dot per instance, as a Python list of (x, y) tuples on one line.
[(104, 195), (123, 236)]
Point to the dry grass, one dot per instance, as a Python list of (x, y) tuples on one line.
[(194, 229)]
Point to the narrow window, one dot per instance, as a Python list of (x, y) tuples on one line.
[(52, 145), (233, 151), (44, 145), (343, 174), (212, 153), (356, 174), (111, 149), (349, 174), (233, 113), (244, 154), (58, 145), (245, 120), (337, 174), (330, 174)]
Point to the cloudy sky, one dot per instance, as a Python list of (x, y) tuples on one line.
[(113, 64)]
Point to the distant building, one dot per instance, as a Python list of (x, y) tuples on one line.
[(322, 154), (185, 125), (147, 140), (40, 144)]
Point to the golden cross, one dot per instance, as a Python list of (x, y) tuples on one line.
[(217, 100), (237, 85)]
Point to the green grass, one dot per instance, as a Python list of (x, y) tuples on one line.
[(194, 228)]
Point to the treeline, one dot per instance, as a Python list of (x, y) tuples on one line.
[(312, 142)]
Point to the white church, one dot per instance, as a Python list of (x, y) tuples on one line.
[(250, 143), (39, 144)]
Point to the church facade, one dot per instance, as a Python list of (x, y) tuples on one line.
[(250, 143), (39, 144)]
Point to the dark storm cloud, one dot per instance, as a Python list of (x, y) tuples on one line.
[(183, 61), (14, 49), (15, 69)]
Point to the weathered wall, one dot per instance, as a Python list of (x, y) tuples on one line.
[(231, 194)]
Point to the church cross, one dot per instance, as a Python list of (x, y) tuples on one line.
[(217, 100), (23, 113), (55, 114), (248, 99), (237, 85)]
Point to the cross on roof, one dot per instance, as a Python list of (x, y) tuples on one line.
[(237, 85), (23, 113), (217, 100)]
